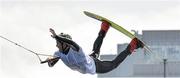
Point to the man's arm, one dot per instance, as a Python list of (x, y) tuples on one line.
[(70, 42), (51, 61)]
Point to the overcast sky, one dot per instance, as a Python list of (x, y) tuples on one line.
[(27, 22)]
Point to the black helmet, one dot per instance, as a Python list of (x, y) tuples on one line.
[(67, 36)]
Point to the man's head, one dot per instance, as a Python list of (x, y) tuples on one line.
[(62, 45)]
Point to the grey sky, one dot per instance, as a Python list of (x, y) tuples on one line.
[(27, 22)]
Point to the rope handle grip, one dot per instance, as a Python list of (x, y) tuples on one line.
[(56, 58)]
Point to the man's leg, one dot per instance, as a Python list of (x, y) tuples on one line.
[(106, 66), (134, 44), (99, 40)]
